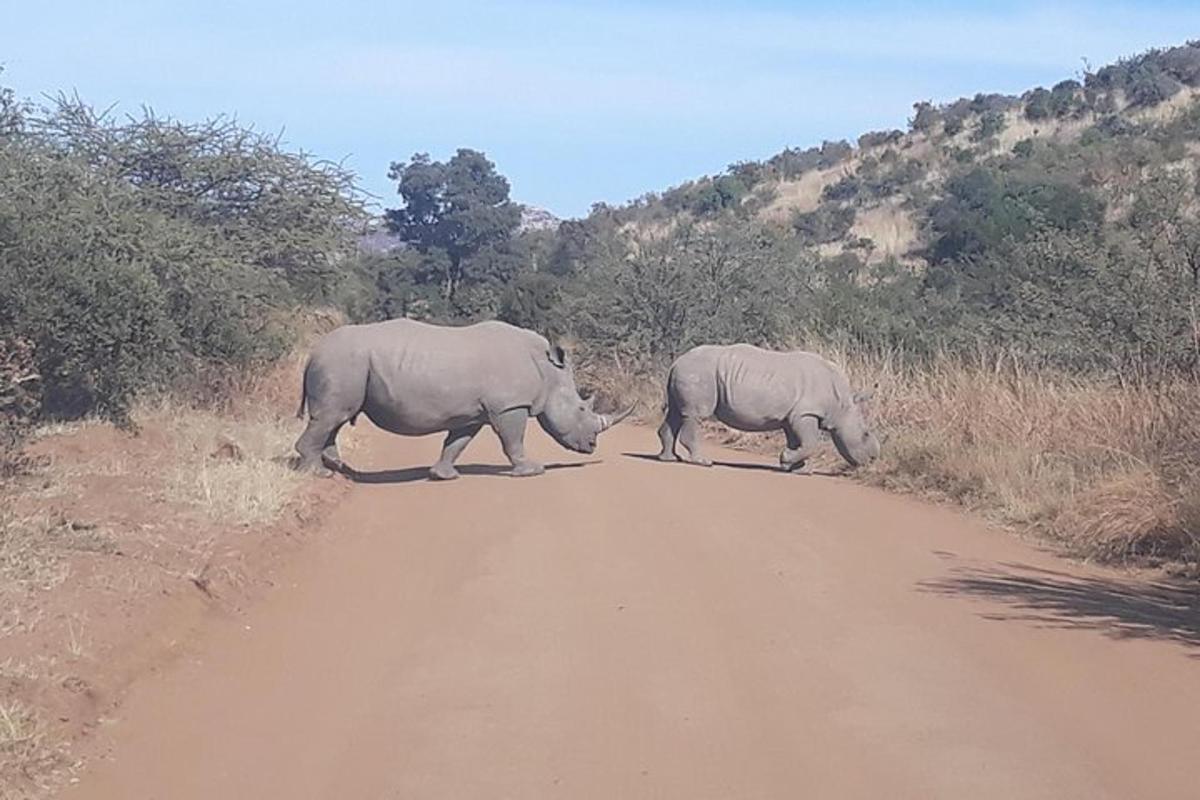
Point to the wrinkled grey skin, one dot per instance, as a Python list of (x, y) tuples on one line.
[(414, 379), (752, 389)]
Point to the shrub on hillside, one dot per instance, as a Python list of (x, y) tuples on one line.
[(1037, 104), (827, 223), (879, 138)]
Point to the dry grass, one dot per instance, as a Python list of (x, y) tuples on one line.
[(29, 764), (234, 470), (1109, 470), (804, 193), (891, 227)]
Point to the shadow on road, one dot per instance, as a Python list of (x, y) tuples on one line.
[(751, 465), (1118, 609), (413, 474)]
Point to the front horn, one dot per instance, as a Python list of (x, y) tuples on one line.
[(607, 422)]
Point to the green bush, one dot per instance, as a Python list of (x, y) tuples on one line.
[(132, 252)]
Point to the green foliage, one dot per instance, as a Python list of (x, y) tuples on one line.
[(983, 208), (990, 124), (1066, 99), (1151, 77), (1037, 104), (132, 251), (879, 138), (845, 189), (792, 163), (668, 293), (459, 209), (828, 223), (925, 117)]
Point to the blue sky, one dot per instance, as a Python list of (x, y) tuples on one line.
[(576, 102)]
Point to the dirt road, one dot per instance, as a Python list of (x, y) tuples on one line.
[(620, 628)]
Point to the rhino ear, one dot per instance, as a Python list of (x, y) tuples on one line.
[(557, 356)]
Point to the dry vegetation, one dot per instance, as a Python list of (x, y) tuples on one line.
[(102, 519), (1107, 470), (28, 760)]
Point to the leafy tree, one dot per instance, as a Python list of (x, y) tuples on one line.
[(827, 223), (925, 116), (1164, 219), (990, 124), (1037, 104), (458, 208), (134, 252), (983, 208), (1065, 99)]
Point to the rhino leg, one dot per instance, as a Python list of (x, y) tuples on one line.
[(510, 427), (668, 434), (456, 441), (689, 434), (803, 439), (317, 439)]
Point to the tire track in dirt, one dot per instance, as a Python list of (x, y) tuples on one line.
[(623, 628)]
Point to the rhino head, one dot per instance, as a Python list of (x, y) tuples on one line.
[(566, 416), (851, 435)]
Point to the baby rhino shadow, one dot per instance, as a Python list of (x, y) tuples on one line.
[(750, 465)]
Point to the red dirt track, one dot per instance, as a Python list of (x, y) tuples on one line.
[(621, 628)]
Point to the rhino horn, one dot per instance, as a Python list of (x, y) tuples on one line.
[(607, 421)]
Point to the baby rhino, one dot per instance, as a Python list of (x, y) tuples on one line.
[(752, 389)]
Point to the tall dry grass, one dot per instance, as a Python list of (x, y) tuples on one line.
[(1109, 469)]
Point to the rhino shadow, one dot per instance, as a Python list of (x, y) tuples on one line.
[(416, 474), (751, 465)]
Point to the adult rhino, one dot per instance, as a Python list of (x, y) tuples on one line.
[(413, 379), (752, 389)]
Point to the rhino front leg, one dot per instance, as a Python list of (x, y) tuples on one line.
[(456, 441), (510, 427), (803, 439), (689, 434)]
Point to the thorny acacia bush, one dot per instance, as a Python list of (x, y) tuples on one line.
[(135, 251)]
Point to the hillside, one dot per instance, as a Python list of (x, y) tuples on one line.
[(1107, 134)]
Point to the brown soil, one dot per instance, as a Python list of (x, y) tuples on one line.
[(127, 579), (624, 628)]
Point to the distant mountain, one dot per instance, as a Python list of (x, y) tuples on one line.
[(537, 219), (1105, 137)]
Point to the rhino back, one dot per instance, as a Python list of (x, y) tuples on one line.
[(423, 378)]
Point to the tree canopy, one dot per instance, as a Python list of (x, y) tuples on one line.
[(456, 209)]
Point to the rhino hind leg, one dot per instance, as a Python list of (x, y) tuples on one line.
[(510, 427), (318, 438), (689, 434), (456, 441), (668, 434)]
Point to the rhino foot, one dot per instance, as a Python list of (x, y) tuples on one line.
[(527, 469), (668, 457), (700, 461), (438, 473), (319, 471)]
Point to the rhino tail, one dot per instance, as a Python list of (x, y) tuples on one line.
[(303, 393)]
